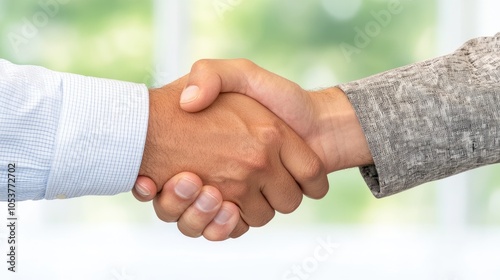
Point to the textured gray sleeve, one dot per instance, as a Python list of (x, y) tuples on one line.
[(432, 119)]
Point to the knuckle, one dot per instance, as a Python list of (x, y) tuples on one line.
[(201, 65), (292, 204), (312, 169), (270, 134), (253, 155), (258, 154), (245, 63), (320, 190), (262, 220), (258, 161)]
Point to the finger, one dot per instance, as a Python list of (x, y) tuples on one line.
[(256, 211), (144, 189), (254, 207), (224, 223), (177, 195), (284, 194), (208, 78), (240, 229), (304, 165), (196, 218)]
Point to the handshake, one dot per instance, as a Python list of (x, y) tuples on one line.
[(243, 143)]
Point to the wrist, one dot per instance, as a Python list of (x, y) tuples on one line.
[(161, 118), (150, 136), (344, 140)]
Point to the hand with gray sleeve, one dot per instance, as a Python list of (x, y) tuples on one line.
[(402, 128)]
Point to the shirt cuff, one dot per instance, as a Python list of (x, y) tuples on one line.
[(362, 102), (100, 138)]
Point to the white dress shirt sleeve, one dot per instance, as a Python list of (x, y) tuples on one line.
[(69, 135)]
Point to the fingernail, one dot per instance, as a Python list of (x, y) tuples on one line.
[(206, 202), (223, 216), (143, 191), (185, 188), (189, 94)]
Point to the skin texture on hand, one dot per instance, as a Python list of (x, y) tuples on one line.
[(325, 119), (236, 145)]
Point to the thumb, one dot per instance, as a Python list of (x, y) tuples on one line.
[(286, 99), (144, 189), (208, 78)]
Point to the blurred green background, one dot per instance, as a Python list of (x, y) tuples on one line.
[(314, 43)]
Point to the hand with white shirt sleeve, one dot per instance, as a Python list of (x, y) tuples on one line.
[(246, 155), (324, 119), (69, 135)]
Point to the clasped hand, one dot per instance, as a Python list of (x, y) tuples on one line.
[(252, 161)]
